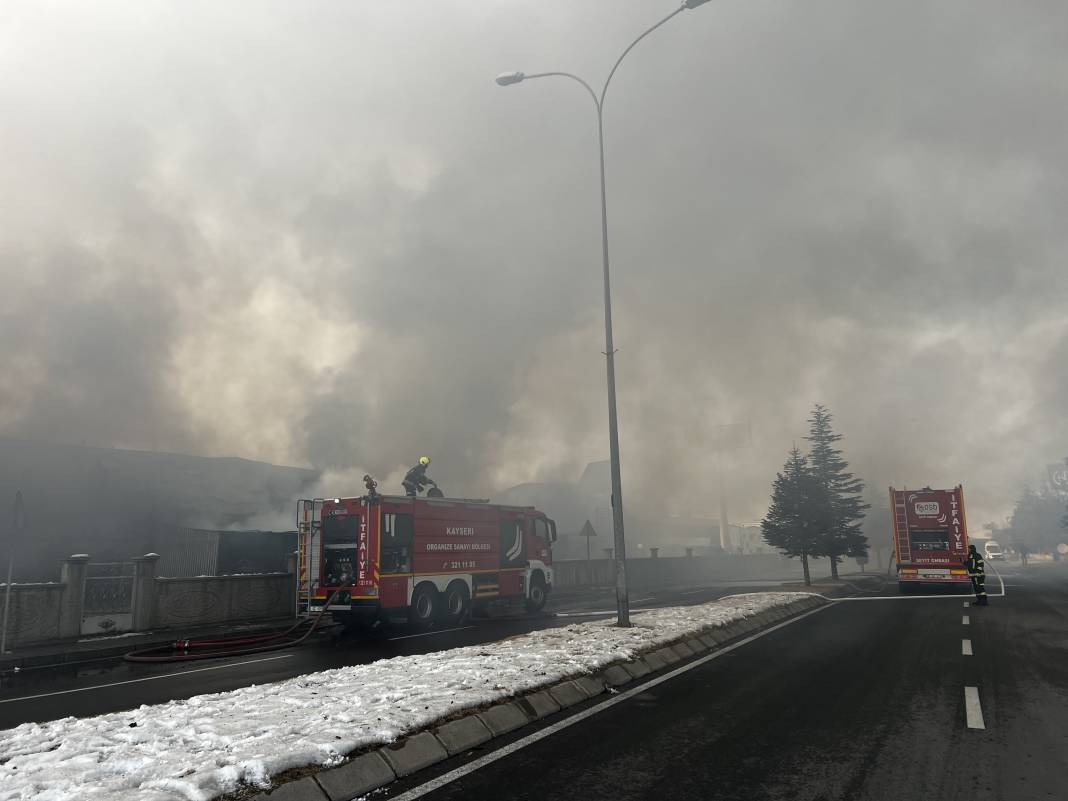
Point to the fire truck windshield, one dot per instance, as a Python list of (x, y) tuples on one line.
[(339, 550)]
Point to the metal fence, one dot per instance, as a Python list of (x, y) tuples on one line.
[(107, 605)]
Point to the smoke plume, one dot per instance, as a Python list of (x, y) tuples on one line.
[(321, 235)]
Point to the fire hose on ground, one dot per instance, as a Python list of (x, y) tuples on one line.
[(188, 650)]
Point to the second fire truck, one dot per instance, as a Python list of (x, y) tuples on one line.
[(930, 532), (427, 560)]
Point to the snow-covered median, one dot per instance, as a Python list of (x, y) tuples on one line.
[(208, 745)]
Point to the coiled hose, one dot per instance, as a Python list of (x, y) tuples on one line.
[(185, 650)]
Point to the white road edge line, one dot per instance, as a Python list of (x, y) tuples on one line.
[(541, 734), (972, 708), (598, 613), (428, 633), (966, 647), (914, 597), (1000, 579), (887, 597), (145, 678), (967, 621)]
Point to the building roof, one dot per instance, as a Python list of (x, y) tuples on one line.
[(597, 478)]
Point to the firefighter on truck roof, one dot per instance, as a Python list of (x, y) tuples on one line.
[(416, 478)]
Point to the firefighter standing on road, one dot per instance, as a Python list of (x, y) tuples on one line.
[(977, 573), (416, 478)]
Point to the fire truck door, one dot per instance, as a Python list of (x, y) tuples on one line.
[(397, 540), (538, 548), (513, 539)]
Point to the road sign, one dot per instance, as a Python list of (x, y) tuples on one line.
[(1058, 477), (587, 530)]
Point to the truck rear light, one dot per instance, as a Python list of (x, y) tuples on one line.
[(909, 571), (957, 572)]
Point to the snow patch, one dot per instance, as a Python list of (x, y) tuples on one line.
[(208, 745)]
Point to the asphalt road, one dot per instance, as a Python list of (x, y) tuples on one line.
[(862, 701), (112, 686)]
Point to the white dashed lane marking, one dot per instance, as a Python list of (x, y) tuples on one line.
[(966, 621), (966, 647), (972, 709)]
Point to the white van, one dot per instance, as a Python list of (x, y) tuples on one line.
[(992, 550)]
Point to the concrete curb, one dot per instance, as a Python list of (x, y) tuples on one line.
[(463, 735), (361, 775), (377, 768), (504, 718), (568, 694)]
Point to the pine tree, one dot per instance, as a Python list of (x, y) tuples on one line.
[(800, 511), (843, 537)]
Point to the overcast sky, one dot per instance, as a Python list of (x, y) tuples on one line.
[(318, 233)]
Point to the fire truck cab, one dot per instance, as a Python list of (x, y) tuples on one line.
[(426, 560)]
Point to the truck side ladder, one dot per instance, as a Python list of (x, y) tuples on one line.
[(901, 529), (309, 539)]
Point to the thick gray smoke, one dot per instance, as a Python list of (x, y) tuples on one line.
[(320, 234)]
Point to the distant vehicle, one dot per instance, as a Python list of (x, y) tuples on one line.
[(930, 538), (992, 550), (429, 560)]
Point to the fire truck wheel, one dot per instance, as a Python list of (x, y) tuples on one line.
[(538, 594), (424, 608), (457, 603)]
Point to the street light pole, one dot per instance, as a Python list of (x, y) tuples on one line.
[(507, 79), (17, 524)]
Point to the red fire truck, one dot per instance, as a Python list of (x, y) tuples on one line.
[(930, 532), (424, 559)]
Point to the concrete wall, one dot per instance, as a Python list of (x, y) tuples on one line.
[(35, 613), (50, 612), (667, 571), (186, 602)]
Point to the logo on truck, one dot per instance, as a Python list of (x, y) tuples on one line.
[(362, 545), (958, 536), (927, 508)]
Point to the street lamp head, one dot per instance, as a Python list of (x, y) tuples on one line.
[(691, 4), (508, 78)]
